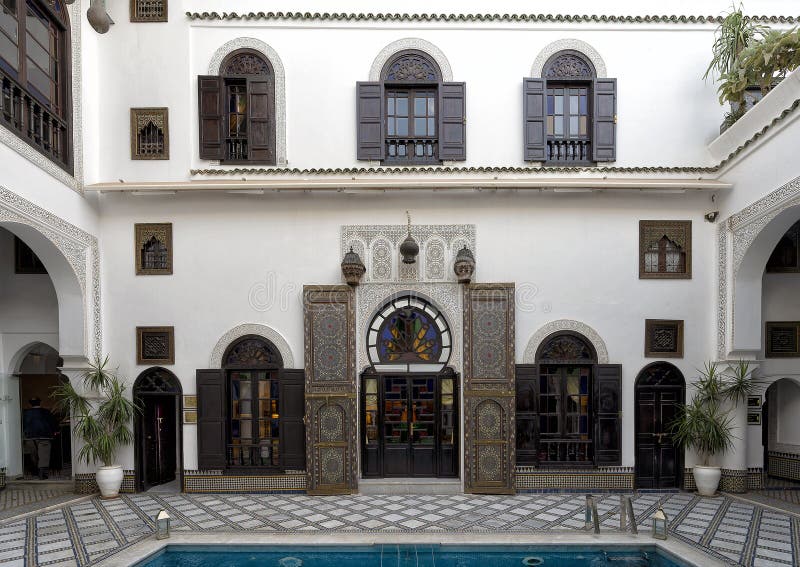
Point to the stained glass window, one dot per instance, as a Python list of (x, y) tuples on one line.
[(409, 335)]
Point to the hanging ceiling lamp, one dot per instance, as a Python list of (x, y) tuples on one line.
[(409, 249)]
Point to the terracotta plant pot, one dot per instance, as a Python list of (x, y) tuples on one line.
[(706, 479), (109, 480)]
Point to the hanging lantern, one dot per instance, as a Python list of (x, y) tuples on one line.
[(352, 268), (660, 524), (162, 525), (409, 249)]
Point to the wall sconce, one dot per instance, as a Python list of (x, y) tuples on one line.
[(660, 524), (162, 525)]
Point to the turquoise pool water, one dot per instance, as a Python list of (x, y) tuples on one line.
[(410, 556)]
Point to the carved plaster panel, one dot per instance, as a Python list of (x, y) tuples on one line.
[(564, 44), (529, 357), (10, 139), (445, 296), (410, 43), (438, 245), (251, 329), (78, 247), (280, 85)]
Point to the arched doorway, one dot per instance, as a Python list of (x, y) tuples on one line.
[(780, 434), (47, 454), (158, 429), (660, 390), (409, 397)]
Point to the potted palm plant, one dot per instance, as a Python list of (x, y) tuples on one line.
[(102, 421), (706, 425)]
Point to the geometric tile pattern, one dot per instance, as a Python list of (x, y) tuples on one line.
[(85, 483), (199, 482), (85, 533), (529, 479), (19, 498), (732, 480), (784, 465)]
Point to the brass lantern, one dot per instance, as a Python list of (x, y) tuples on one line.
[(660, 524), (162, 525)]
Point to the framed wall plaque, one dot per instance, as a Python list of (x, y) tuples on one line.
[(663, 338)]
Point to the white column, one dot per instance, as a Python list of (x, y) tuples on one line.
[(74, 368)]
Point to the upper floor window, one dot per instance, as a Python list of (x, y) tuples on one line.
[(237, 110), (411, 117), (665, 249), (34, 71), (569, 113), (785, 257)]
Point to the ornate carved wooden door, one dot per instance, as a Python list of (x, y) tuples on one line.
[(331, 459), (489, 390)]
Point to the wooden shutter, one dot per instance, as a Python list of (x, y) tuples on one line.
[(211, 104), (608, 415), (604, 143), (211, 426), (292, 411), (534, 114), (260, 123), (527, 414), (369, 112), (452, 122)]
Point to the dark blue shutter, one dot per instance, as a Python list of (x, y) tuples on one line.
[(534, 112), (369, 115), (604, 142)]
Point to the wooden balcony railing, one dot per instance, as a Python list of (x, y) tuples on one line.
[(251, 455), (237, 149), (34, 123), (409, 151), (569, 150)]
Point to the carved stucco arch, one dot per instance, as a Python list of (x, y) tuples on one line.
[(574, 45), (410, 43), (72, 258), (280, 84), (529, 357), (252, 329), (746, 240)]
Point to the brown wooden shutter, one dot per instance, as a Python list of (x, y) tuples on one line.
[(527, 414), (369, 112), (604, 144), (608, 415), (211, 104), (534, 113), (260, 125), (292, 411), (452, 122), (211, 422)]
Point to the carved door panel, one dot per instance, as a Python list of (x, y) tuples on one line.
[(489, 390), (330, 388)]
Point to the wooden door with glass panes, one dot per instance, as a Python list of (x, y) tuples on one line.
[(253, 438), (565, 427), (409, 426)]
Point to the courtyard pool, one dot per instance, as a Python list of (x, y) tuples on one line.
[(412, 556)]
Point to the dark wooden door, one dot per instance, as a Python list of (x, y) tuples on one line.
[(159, 438), (410, 426), (657, 457)]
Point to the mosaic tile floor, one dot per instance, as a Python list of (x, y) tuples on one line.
[(20, 497), (85, 533)]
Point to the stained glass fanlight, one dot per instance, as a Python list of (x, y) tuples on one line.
[(409, 335)]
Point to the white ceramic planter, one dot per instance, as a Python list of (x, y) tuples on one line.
[(706, 479), (109, 480)]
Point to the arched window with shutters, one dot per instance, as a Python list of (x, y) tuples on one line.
[(237, 110), (35, 100), (569, 113), (410, 116)]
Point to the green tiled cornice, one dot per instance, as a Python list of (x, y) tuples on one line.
[(478, 18)]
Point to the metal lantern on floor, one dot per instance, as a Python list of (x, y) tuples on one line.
[(660, 524), (162, 525)]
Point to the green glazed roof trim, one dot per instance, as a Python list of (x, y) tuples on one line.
[(499, 169), (458, 18)]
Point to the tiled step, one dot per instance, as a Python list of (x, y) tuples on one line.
[(410, 486)]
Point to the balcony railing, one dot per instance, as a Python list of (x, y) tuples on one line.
[(569, 150), (410, 151), (249, 455), (33, 122)]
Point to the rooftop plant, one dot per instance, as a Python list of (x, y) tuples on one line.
[(734, 34)]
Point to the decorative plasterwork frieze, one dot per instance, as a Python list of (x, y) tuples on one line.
[(481, 18), (410, 43), (446, 297), (251, 329), (529, 356), (78, 247), (734, 238), (280, 85), (446, 170), (379, 248), (10, 139), (573, 45)]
